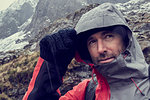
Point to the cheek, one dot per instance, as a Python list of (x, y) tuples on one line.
[(117, 47), (114, 47), (93, 53), (120, 45)]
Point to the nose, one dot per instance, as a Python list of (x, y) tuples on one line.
[(101, 47)]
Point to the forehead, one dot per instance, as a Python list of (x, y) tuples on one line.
[(101, 33)]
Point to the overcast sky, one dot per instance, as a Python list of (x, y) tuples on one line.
[(5, 4)]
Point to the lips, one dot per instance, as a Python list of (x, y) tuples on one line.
[(106, 60)]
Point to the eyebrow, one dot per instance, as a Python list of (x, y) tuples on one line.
[(90, 38), (106, 32), (103, 33)]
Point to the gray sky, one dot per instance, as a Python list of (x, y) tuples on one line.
[(5, 4)]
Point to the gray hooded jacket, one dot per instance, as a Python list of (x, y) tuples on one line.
[(128, 77)]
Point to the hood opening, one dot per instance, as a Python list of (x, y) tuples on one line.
[(82, 37)]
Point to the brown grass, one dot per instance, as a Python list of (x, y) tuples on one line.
[(16, 74)]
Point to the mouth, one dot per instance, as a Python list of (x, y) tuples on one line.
[(107, 60)]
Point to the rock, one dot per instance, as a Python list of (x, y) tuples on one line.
[(146, 52), (144, 44), (22, 91), (12, 92), (20, 97), (144, 27), (6, 57), (75, 75)]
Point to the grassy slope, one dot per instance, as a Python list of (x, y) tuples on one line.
[(16, 75)]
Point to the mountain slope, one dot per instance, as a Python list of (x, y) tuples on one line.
[(49, 10), (16, 15)]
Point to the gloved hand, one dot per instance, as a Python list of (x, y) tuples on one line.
[(59, 48)]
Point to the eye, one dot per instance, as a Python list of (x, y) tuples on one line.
[(108, 37), (91, 42)]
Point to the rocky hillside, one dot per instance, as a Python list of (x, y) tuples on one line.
[(138, 17), (16, 70), (48, 11)]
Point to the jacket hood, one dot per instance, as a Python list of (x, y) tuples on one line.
[(102, 16)]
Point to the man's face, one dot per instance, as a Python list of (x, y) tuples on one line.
[(104, 47)]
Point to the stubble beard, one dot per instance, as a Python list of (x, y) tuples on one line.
[(105, 56)]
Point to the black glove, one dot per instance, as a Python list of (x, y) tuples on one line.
[(59, 48)]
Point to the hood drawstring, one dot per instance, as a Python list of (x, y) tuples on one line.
[(78, 58), (93, 77), (137, 87), (92, 65)]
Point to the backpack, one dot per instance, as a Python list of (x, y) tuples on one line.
[(149, 71), (90, 90)]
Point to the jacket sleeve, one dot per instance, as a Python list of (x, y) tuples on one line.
[(77, 93), (56, 52), (41, 87)]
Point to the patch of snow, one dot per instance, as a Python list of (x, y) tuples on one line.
[(136, 6), (9, 43), (146, 6), (83, 2), (136, 1), (33, 47)]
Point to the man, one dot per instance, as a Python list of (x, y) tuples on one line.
[(105, 42)]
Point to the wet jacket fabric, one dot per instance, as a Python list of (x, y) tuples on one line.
[(126, 78)]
